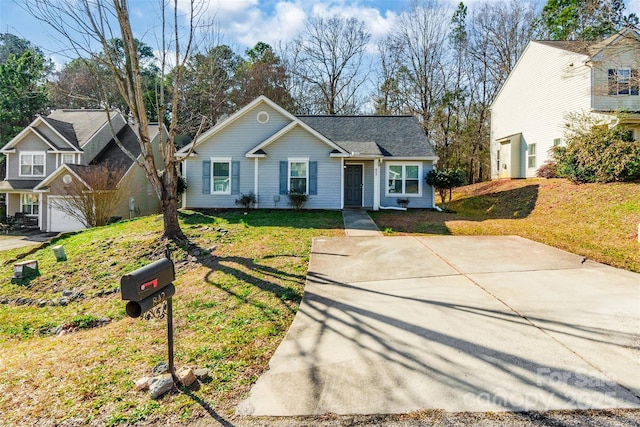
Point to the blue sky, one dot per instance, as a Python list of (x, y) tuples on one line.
[(242, 22)]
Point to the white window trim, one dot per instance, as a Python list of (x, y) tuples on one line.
[(297, 160), (533, 156), (37, 203), (404, 174), (623, 82), (220, 160), (62, 162), (32, 153)]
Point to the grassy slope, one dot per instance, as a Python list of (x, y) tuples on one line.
[(598, 221), (231, 310)]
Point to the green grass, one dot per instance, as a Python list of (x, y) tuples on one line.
[(239, 284), (598, 221)]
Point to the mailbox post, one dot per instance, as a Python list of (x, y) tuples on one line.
[(149, 291)]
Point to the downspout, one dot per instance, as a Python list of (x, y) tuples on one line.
[(395, 208)]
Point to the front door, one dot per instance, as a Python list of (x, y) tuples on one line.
[(353, 186)]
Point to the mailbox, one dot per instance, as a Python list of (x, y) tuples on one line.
[(148, 280), (148, 286), (137, 308)]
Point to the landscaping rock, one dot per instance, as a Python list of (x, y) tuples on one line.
[(67, 293), (203, 375), (42, 303), (63, 301), (186, 376), (142, 383), (161, 368), (160, 385)]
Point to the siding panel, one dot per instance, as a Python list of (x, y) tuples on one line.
[(546, 84), (233, 141)]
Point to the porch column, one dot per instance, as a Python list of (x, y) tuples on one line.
[(255, 180), (376, 184), (41, 211), (342, 172)]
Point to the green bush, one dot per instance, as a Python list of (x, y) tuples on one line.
[(597, 153), (445, 180)]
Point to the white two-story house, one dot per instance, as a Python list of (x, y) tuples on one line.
[(552, 79), (56, 150)]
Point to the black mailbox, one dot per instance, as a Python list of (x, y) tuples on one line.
[(137, 308), (148, 280)]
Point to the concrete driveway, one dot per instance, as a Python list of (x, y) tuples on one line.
[(9, 241), (400, 324)]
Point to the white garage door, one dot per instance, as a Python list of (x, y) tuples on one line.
[(59, 220)]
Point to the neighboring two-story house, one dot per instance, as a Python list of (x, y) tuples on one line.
[(552, 79), (56, 150)]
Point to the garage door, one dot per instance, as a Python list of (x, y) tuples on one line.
[(58, 219)]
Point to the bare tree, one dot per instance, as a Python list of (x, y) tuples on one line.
[(327, 60), (389, 98), (498, 34), (88, 26), (421, 36), (93, 194)]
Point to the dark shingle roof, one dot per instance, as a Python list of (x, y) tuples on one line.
[(65, 129), (576, 46), (391, 136), (114, 157), (18, 184)]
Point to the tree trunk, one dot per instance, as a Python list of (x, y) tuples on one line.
[(172, 228)]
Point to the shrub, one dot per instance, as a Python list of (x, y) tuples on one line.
[(297, 200), (247, 201), (547, 170), (595, 153), (445, 180)]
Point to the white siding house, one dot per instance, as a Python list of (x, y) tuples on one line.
[(553, 79)]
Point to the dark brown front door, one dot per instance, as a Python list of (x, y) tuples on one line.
[(353, 185)]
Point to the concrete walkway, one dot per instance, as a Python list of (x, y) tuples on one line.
[(357, 223), (401, 324)]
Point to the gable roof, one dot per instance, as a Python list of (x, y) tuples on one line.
[(85, 123), (113, 156), (231, 119), (258, 151), (590, 48), (64, 168), (391, 136), (56, 127), (575, 46), (64, 129)]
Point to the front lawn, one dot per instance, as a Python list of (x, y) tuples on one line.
[(238, 288)]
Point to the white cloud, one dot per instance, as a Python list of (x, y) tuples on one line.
[(249, 21)]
